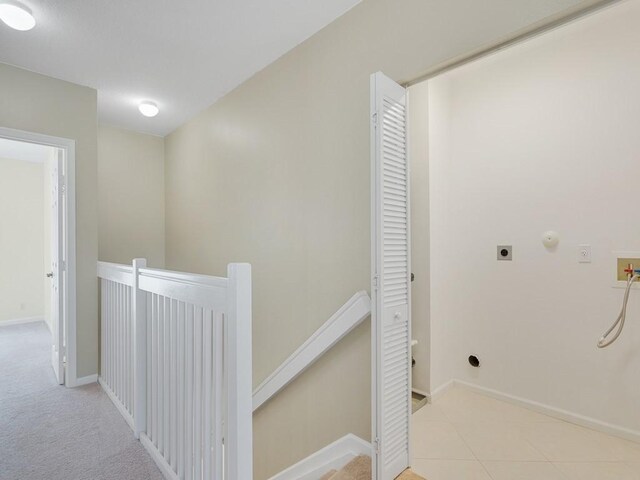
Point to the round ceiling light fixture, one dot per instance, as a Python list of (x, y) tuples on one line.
[(16, 15), (148, 109)]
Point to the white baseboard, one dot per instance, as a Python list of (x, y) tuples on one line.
[(20, 321), (85, 380), (162, 464), (114, 399), (332, 457), (441, 390), (558, 413), (420, 392)]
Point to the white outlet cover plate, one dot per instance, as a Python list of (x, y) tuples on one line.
[(584, 253)]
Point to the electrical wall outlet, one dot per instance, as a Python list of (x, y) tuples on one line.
[(505, 253)]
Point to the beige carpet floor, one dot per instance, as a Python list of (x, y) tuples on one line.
[(360, 469), (409, 475), (51, 432)]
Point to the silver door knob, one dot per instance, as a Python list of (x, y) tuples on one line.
[(50, 274), (397, 315)]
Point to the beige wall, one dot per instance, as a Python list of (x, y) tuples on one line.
[(131, 196), (36, 103), (277, 174), (21, 240)]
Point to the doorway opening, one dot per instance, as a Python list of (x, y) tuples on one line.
[(38, 210), (516, 221)]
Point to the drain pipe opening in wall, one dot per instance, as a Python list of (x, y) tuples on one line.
[(474, 361)]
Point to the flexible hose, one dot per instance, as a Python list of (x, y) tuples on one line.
[(603, 342)]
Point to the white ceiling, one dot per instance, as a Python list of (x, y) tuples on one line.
[(29, 152), (183, 54)]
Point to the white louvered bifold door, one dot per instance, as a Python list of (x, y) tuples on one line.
[(391, 277)]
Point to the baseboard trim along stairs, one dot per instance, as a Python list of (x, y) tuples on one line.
[(332, 457)]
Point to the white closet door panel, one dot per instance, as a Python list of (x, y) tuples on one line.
[(391, 282)]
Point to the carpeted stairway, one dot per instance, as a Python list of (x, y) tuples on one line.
[(360, 469)]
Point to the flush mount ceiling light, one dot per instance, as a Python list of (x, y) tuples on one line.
[(16, 15), (148, 109)]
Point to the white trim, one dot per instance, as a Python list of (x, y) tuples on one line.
[(375, 357), (350, 315), (420, 392), (237, 421), (202, 290), (441, 390), (555, 412), (20, 321), (116, 272), (545, 25), (332, 457), (86, 380), (162, 464), (114, 399), (69, 300)]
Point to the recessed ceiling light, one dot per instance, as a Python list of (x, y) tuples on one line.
[(16, 15), (148, 109)]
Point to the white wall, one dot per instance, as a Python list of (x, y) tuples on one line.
[(21, 240), (131, 196), (419, 204), (537, 137)]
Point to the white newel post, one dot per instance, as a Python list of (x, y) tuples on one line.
[(139, 306), (238, 361)]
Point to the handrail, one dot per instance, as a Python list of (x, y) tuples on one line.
[(349, 316), (115, 272), (201, 290)]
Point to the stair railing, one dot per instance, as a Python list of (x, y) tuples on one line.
[(176, 362)]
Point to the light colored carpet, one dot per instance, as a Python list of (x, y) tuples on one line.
[(357, 469), (51, 432), (360, 469), (409, 475)]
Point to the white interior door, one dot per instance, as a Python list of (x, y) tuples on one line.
[(56, 272), (391, 278)]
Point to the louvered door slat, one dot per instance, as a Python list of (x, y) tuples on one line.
[(390, 258)]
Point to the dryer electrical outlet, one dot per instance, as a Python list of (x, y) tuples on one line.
[(505, 253)]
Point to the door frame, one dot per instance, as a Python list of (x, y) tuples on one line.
[(68, 209)]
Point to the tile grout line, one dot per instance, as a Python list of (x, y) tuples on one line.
[(524, 433), (467, 445)]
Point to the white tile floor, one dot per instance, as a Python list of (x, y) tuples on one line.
[(468, 436)]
